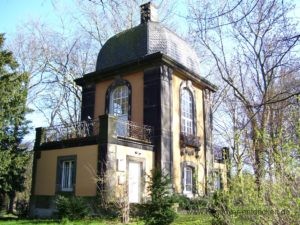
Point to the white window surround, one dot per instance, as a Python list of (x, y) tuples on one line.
[(67, 168), (187, 114)]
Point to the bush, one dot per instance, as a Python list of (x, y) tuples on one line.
[(159, 210), (220, 209), (193, 205), (137, 210), (72, 208), (22, 208), (274, 204)]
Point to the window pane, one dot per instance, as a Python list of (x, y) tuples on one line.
[(188, 179), (67, 175), (187, 112), (119, 101)]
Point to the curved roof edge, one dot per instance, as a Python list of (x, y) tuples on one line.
[(154, 59)]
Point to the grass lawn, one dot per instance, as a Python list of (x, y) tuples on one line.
[(202, 219), (181, 220)]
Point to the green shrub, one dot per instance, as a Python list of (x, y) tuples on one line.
[(220, 209), (192, 205), (22, 208), (159, 210), (137, 210), (72, 208), (276, 203)]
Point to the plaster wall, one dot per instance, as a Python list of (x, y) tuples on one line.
[(137, 101), (118, 158), (178, 159), (86, 167)]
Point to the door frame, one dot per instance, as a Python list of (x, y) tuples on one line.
[(142, 162)]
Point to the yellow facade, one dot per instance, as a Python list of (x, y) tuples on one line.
[(137, 84), (177, 157), (86, 167), (87, 156)]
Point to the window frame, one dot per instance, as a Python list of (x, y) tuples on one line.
[(121, 100), (193, 168), (66, 175), (61, 160), (191, 171), (116, 84), (218, 180), (187, 112), (187, 86)]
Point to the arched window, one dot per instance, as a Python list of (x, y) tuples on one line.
[(119, 100), (187, 114)]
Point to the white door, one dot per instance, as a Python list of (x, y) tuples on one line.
[(134, 182)]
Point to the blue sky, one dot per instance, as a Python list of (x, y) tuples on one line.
[(15, 12)]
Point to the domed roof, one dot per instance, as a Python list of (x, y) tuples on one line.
[(145, 39)]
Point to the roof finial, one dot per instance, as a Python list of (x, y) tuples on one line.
[(148, 13)]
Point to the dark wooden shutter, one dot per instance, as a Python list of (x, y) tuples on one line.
[(58, 175)]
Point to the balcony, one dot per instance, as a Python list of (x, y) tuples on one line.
[(70, 131), (107, 129), (132, 130), (189, 140)]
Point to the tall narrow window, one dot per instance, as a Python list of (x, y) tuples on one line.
[(218, 180), (188, 180), (187, 121), (67, 175), (119, 107)]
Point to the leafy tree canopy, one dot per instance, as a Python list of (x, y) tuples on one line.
[(13, 94)]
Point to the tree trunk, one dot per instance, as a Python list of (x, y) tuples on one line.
[(2, 201), (11, 196)]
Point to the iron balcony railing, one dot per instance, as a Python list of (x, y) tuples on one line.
[(130, 129), (122, 129), (71, 131)]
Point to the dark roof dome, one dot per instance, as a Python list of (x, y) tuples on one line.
[(145, 39)]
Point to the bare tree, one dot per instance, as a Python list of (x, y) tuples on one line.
[(55, 56), (54, 60), (253, 47)]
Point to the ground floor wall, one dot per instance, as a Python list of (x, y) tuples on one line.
[(119, 160), (47, 177), (126, 175), (86, 170), (127, 171)]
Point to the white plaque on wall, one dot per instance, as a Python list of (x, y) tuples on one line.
[(121, 165)]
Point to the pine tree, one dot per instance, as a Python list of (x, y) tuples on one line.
[(159, 210), (13, 157)]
